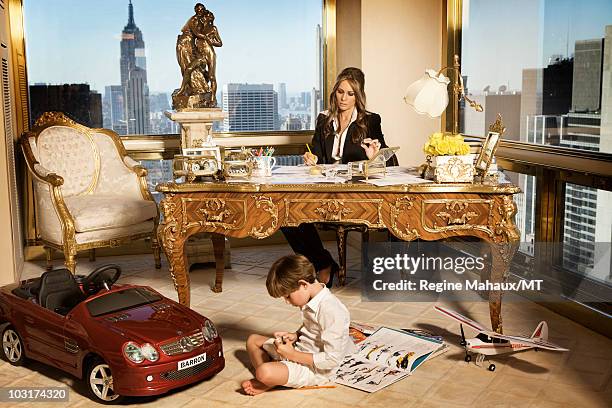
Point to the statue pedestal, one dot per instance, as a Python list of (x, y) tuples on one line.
[(196, 125)]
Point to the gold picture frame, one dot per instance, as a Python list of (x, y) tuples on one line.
[(489, 147)]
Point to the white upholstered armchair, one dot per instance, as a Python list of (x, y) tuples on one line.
[(88, 192)]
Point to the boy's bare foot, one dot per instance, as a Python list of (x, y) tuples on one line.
[(254, 387)]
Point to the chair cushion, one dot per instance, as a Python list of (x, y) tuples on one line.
[(97, 212)]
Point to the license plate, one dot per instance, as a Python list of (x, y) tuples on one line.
[(190, 362)]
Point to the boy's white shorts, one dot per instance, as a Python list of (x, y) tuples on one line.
[(299, 375)]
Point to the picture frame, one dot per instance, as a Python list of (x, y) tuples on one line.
[(489, 147)]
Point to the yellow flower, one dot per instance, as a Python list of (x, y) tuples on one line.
[(440, 144)]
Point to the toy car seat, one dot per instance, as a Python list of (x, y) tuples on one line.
[(59, 291)]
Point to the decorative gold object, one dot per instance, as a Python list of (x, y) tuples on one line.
[(453, 169), (197, 58), (333, 210), (489, 147), (237, 163), (376, 165), (199, 162), (457, 213)]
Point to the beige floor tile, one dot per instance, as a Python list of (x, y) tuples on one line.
[(278, 397), (580, 378), (498, 399), (228, 392), (386, 399)]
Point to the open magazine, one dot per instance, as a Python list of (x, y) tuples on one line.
[(384, 357)]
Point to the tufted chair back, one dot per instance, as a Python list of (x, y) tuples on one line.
[(88, 192)]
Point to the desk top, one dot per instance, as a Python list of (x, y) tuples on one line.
[(348, 187)]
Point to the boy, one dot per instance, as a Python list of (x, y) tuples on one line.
[(311, 355)]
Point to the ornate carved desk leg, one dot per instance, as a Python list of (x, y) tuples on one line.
[(173, 240), (218, 242), (502, 253)]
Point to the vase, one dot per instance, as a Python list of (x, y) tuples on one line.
[(453, 169)]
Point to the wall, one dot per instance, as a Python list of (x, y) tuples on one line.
[(11, 261), (399, 40)]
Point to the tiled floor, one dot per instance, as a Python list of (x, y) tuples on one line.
[(580, 378)]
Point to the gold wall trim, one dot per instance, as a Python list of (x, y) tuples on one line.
[(330, 68), (451, 46)]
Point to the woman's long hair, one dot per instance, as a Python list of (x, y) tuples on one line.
[(334, 111)]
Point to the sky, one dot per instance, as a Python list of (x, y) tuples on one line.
[(502, 37), (264, 41)]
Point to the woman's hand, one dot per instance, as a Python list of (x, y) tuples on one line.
[(371, 147), (310, 159)]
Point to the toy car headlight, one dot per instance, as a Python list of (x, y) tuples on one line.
[(209, 331), (149, 352), (132, 352)]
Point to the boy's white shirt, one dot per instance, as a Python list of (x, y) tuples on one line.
[(325, 332)]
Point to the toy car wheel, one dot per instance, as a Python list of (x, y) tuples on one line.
[(468, 358), (100, 381), (12, 346), (492, 367)]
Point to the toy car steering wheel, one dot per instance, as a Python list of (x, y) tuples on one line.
[(101, 277)]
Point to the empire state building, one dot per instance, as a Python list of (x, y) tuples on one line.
[(134, 77)]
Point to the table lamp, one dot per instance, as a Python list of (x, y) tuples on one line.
[(429, 95)]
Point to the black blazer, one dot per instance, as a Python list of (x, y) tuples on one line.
[(322, 146)]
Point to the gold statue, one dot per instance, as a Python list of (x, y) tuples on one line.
[(197, 59)]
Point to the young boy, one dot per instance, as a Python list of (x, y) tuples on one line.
[(311, 355)]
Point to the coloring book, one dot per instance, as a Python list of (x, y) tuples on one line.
[(386, 356)]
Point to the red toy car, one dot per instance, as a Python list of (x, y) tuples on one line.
[(121, 340)]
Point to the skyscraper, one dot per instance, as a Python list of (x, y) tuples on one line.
[(114, 109), (76, 100), (250, 107), (134, 76), (282, 96)]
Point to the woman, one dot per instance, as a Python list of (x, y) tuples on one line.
[(344, 133)]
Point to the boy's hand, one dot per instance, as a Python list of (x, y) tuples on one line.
[(284, 349), (285, 336)]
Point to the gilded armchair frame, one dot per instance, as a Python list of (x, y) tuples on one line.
[(70, 247)]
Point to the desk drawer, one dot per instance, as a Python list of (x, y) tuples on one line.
[(349, 210), (226, 213), (456, 214)]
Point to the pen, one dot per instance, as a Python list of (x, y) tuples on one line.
[(315, 387), (308, 147)]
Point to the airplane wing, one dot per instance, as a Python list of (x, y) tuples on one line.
[(534, 342), (462, 319)]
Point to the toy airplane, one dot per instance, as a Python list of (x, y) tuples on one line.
[(489, 343)]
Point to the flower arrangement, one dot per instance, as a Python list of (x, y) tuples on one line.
[(445, 144)]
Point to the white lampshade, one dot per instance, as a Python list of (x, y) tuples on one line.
[(428, 95)]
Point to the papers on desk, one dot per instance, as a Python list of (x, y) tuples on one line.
[(291, 175), (396, 176)]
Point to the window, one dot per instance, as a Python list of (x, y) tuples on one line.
[(545, 66), (113, 63)]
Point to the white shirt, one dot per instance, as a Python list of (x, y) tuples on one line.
[(339, 139), (325, 332)]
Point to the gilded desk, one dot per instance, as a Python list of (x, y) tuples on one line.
[(425, 211)]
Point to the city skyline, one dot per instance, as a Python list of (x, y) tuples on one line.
[(539, 30), (250, 53)]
